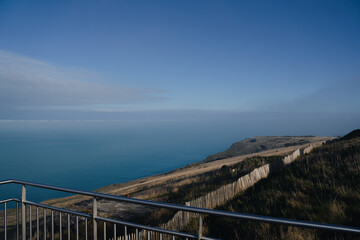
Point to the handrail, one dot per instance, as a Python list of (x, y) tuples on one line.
[(125, 223), (298, 223), (10, 200)]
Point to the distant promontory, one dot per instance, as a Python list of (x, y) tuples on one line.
[(259, 144)]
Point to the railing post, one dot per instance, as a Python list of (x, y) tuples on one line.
[(86, 229), (5, 221), (30, 222), (114, 231), (52, 226), (104, 230), (60, 225), (23, 212), (44, 213), (94, 218), (68, 223), (17, 220), (200, 227)]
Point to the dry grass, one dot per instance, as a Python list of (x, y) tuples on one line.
[(322, 186)]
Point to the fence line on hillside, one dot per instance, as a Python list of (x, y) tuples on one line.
[(25, 222), (227, 192)]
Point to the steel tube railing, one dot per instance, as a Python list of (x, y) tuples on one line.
[(30, 220), (68, 225), (5, 221), (37, 224), (114, 227), (144, 227), (23, 212), (60, 225), (52, 225), (86, 230), (60, 210), (63, 210), (95, 218), (17, 220), (125, 232), (95, 235), (44, 215), (194, 209), (9, 200), (104, 231), (77, 228)]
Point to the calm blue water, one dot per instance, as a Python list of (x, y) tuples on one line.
[(89, 155)]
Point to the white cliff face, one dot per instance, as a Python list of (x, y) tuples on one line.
[(227, 192)]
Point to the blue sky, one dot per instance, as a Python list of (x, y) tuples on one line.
[(108, 59)]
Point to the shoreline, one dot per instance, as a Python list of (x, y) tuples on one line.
[(152, 186), (144, 188)]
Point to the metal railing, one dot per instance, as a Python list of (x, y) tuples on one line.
[(146, 232)]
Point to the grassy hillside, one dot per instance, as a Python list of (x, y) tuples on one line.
[(204, 183), (323, 186), (211, 181)]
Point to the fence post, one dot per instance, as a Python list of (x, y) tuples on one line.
[(23, 212), (94, 218)]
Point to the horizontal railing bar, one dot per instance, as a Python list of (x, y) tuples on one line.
[(10, 200), (7, 181), (59, 209), (110, 197), (253, 217), (165, 231)]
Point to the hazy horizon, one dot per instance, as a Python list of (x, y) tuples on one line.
[(188, 60), (174, 80), (101, 153)]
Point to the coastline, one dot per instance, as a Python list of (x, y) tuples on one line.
[(152, 187), (149, 187)]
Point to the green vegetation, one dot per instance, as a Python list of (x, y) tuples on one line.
[(210, 181), (203, 184), (323, 186)]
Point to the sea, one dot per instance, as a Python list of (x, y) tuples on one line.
[(87, 155)]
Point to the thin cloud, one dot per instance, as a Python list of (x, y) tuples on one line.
[(336, 97), (29, 83)]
